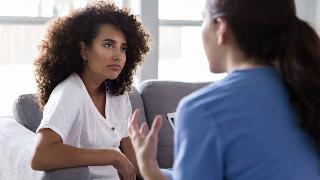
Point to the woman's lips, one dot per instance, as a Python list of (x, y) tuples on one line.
[(114, 67)]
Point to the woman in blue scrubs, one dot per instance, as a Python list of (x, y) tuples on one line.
[(262, 122)]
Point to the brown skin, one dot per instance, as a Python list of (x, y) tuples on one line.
[(104, 59), (127, 149), (51, 153)]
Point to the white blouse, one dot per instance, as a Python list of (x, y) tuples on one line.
[(71, 113)]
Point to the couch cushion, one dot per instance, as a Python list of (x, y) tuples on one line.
[(136, 103), (162, 97), (26, 110)]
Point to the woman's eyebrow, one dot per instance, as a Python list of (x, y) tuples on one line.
[(113, 41)]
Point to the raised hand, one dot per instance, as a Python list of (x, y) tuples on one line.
[(146, 145)]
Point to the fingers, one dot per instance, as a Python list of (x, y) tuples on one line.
[(134, 119), (156, 125), (144, 129), (133, 124)]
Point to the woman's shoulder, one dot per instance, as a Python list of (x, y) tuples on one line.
[(71, 83), (120, 104), (219, 96), (213, 92), (240, 84), (119, 99), (70, 88)]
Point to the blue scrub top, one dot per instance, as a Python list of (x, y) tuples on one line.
[(242, 128)]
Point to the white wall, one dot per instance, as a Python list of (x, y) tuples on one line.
[(308, 11), (318, 16), (149, 18)]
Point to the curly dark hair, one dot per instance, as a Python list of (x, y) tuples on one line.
[(60, 50)]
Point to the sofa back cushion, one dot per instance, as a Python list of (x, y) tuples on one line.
[(26, 110), (162, 97), (137, 103)]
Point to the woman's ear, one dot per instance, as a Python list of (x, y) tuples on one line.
[(221, 31), (83, 49)]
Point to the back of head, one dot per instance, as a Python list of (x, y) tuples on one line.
[(270, 31)]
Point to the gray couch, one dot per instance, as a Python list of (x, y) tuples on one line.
[(17, 133)]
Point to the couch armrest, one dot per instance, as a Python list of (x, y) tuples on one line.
[(80, 173), (16, 144)]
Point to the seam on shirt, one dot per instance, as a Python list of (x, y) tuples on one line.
[(55, 129)]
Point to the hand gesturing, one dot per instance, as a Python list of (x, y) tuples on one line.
[(145, 143)]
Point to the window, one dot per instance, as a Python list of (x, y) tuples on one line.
[(39, 8), (22, 27), (175, 26), (181, 9), (181, 53), (18, 49)]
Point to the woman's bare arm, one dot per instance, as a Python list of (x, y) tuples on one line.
[(50, 153)]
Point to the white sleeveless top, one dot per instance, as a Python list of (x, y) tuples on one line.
[(71, 113)]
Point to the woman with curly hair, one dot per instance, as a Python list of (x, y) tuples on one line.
[(84, 72)]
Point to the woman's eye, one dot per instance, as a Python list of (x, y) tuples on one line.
[(123, 49), (108, 45)]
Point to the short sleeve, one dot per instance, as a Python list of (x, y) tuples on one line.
[(61, 110), (198, 153)]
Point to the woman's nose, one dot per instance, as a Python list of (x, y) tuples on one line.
[(116, 59)]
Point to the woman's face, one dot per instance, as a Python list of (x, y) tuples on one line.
[(213, 50), (106, 56)]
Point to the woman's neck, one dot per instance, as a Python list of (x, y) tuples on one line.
[(243, 65), (237, 61), (92, 83)]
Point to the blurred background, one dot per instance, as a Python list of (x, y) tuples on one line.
[(175, 26)]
